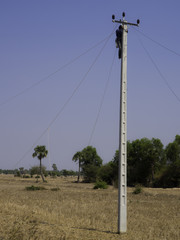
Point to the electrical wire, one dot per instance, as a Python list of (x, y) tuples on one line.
[(158, 70), (161, 45), (53, 73), (102, 99), (67, 101)]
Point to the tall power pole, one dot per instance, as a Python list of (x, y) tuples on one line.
[(121, 42)]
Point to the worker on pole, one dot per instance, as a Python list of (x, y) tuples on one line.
[(118, 40)]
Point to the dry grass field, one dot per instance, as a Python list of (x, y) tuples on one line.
[(71, 211)]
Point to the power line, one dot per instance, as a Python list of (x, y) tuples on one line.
[(53, 73), (160, 73), (160, 44), (68, 100), (102, 99)]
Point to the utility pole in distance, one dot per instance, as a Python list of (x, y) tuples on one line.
[(121, 43)]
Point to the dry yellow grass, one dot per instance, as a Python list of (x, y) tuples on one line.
[(77, 212)]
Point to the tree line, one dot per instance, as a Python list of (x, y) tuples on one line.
[(149, 163), (39, 170), (35, 170)]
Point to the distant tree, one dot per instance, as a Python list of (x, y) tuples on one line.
[(157, 157), (40, 152), (145, 158), (54, 167), (173, 152), (36, 170), (21, 170), (78, 157), (90, 163), (17, 174), (171, 175), (107, 173), (66, 173)]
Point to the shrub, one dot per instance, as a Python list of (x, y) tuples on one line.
[(115, 183), (26, 176), (45, 174), (36, 170), (90, 173), (18, 174), (106, 173), (53, 175), (168, 178), (34, 188), (55, 189), (101, 185), (138, 189)]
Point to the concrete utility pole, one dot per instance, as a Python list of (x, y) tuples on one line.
[(122, 172)]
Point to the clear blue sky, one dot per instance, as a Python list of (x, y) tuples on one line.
[(40, 36)]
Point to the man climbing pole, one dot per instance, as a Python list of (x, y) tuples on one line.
[(118, 40)]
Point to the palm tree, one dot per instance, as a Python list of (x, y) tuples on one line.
[(40, 152), (78, 157)]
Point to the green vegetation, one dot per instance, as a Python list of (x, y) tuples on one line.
[(100, 185), (78, 157), (138, 189), (55, 189), (35, 188), (54, 167), (40, 152), (90, 163), (149, 164), (26, 176), (35, 170)]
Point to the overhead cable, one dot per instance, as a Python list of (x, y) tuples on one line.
[(160, 73), (68, 100), (102, 99), (53, 73), (161, 45)]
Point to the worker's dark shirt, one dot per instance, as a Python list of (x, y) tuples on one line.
[(119, 35)]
